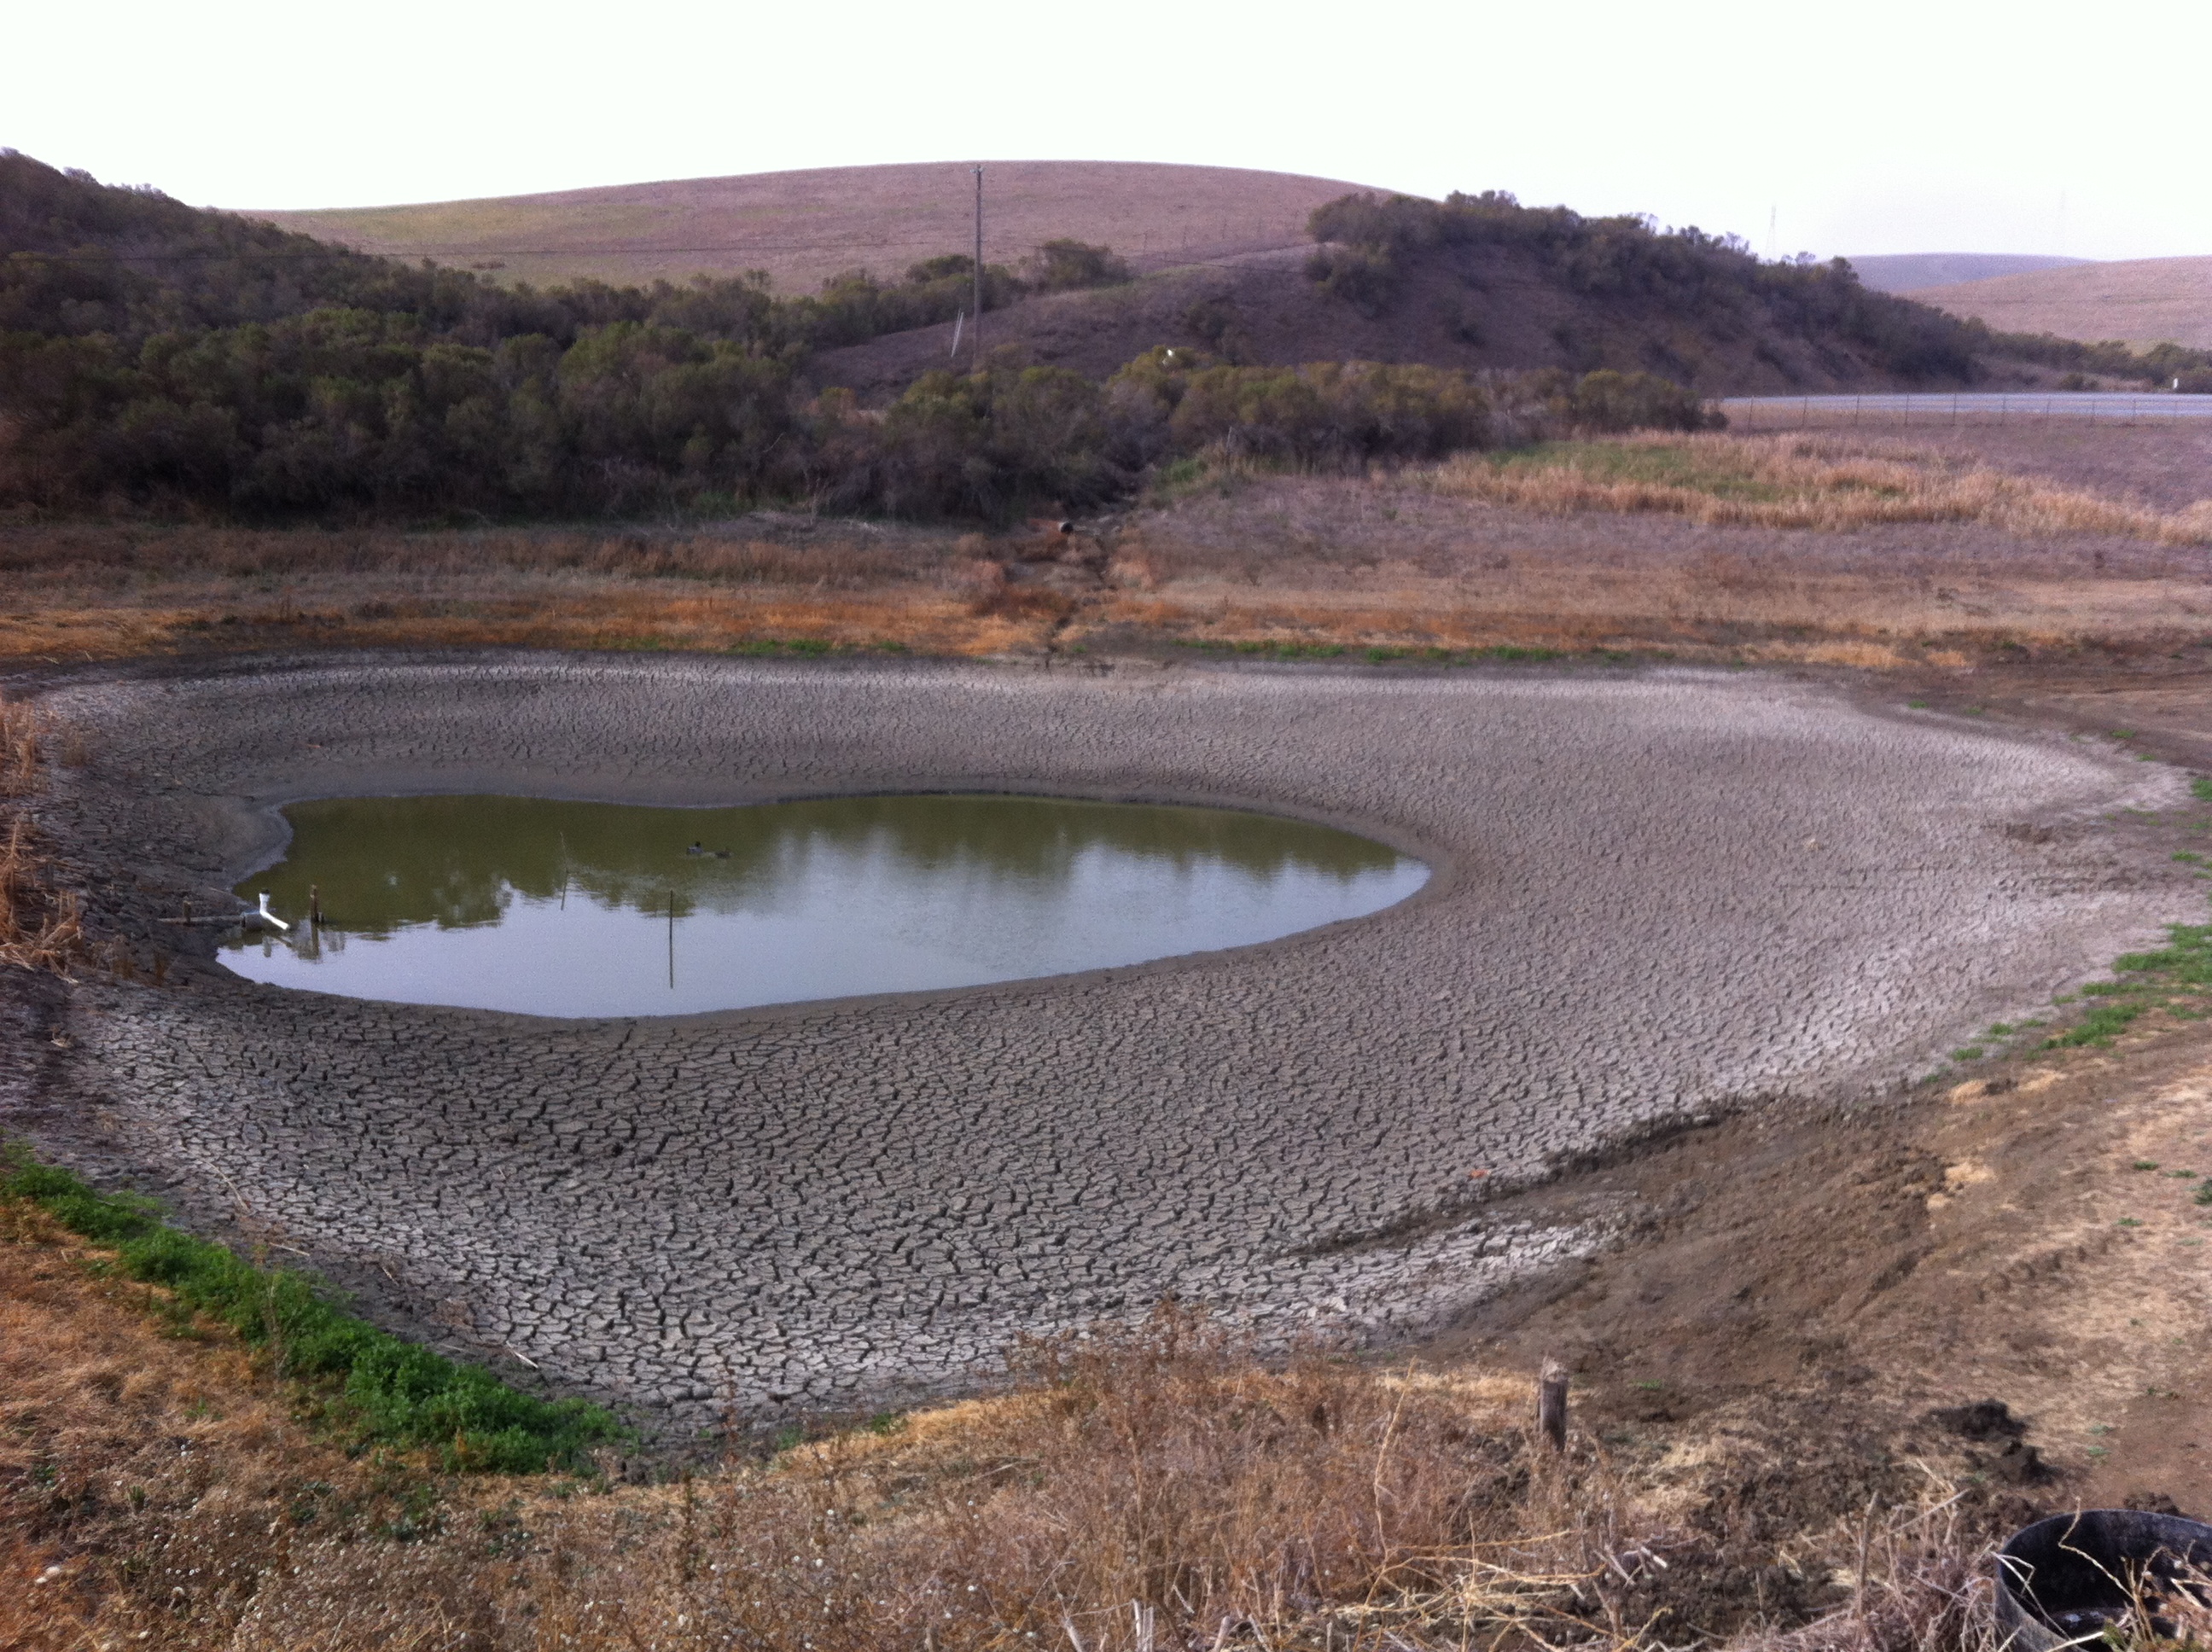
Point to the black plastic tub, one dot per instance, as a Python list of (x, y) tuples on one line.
[(2070, 1577)]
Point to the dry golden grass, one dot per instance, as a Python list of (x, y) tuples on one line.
[(802, 227), (1800, 482), (1782, 549), (1717, 607), (1919, 1581)]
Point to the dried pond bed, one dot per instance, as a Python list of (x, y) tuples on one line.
[(1659, 897)]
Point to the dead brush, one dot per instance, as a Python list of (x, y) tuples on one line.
[(1147, 1488), (1922, 1582)]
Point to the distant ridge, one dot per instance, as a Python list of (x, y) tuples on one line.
[(802, 227), (2143, 301), (1914, 272)]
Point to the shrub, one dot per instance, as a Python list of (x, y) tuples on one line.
[(1323, 414), (1060, 266), (1612, 402)]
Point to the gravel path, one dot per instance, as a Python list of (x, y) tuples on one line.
[(1656, 895)]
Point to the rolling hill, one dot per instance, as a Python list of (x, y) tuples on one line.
[(802, 227), (2143, 300), (1915, 272)]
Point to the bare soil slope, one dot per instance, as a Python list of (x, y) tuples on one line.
[(802, 227), (2144, 301)]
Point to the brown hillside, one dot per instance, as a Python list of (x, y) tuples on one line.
[(802, 227), (2144, 301), (1469, 308), (1915, 272)]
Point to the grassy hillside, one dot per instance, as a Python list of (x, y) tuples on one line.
[(1914, 272), (2144, 301), (804, 227)]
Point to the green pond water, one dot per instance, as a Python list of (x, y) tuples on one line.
[(606, 909)]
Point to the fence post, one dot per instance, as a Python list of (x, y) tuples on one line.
[(1551, 1403)]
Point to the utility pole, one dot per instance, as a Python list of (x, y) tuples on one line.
[(976, 329)]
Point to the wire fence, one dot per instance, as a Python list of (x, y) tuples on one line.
[(1893, 411)]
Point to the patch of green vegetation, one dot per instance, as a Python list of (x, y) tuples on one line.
[(2145, 1164), (2201, 788), (806, 647), (2178, 978), (1383, 654), (1968, 1052), (377, 1390), (1720, 474)]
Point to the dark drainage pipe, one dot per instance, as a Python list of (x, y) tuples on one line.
[(2067, 1578)]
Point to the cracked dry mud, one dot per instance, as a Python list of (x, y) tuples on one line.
[(1658, 895)]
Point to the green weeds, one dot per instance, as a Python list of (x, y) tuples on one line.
[(810, 648), (379, 1390), (2178, 978), (1506, 654), (1714, 471)]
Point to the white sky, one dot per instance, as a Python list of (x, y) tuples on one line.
[(1882, 126)]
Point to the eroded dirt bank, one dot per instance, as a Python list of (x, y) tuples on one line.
[(1659, 897)]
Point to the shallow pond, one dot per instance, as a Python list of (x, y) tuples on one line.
[(607, 909)]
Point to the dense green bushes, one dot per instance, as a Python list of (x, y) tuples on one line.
[(383, 1391), (1609, 401), (1325, 415)]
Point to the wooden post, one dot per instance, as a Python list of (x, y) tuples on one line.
[(1551, 1404), (315, 905)]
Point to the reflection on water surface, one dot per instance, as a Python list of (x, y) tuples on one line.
[(590, 909)]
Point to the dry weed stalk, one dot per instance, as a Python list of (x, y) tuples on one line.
[(1923, 1582), (1151, 1489), (1800, 482), (22, 747), (40, 928)]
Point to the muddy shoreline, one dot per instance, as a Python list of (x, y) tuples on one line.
[(841, 1204)]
